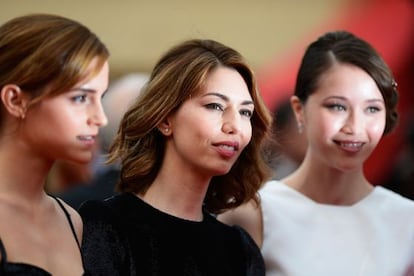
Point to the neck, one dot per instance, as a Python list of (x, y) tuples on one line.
[(23, 173), (327, 185), (181, 196)]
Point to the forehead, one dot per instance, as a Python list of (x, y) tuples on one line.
[(226, 81), (98, 81), (348, 81)]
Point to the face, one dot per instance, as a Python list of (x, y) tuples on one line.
[(210, 130), (344, 119), (66, 126)]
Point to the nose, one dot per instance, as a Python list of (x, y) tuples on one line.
[(97, 116), (231, 122), (353, 123)]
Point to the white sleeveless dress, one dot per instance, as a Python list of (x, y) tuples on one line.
[(303, 238)]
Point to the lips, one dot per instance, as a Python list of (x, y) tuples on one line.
[(87, 139), (228, 145), (350, 146), (227, 149)]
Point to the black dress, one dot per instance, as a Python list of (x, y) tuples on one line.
[(123, 235), (22, 269)]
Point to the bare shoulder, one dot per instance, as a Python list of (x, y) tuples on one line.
[(247, 216)]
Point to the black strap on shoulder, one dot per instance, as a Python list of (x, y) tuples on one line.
[(3, 256), (69, 219)]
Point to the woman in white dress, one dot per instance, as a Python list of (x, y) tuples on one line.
[(326, 218)]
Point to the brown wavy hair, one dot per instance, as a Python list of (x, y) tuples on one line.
[(180, 72)]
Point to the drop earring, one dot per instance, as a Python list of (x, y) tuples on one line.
[(300, 127)]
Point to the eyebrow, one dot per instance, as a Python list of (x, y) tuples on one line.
[(83, 89), (345, 99), (87, 90), (376, 100), (225, 98)]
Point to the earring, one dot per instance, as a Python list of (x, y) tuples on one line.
[(166, 129), (300, 127)]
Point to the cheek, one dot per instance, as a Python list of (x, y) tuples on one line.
[(376, 131), (71, 117), (322, 127), (198, 129), (246, 133), (375, 126)]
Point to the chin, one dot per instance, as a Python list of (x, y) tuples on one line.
[(85, 159), (221, 171), (348, 168)]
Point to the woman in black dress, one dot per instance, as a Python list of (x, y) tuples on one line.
[(190, 148)]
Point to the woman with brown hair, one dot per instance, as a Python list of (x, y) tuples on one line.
[(190, 147), (53, 73)]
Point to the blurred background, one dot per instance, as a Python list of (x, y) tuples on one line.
[(138, 31), (271, 34)]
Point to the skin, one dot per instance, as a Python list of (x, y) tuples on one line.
[(343, 120), (81, 111), (33, 227), (204, 139)]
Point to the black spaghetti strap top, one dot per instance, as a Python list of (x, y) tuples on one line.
[(20, 269), (69, 220)]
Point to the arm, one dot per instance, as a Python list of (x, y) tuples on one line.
[(103, 250), (255, 265), (247, 216)]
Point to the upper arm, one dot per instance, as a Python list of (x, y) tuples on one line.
[(247, 216), (254, 262)]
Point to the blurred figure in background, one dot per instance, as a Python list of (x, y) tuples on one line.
[(401, 179), (121, 94), (97, 180), (286, 151)]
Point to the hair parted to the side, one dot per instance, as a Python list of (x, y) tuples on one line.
[(179, 73), (344, 47), (46, 54)]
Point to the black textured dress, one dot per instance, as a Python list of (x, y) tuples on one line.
[(123, 235)]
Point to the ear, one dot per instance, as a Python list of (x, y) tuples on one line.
[(14, 100), (165, 127), (298, 110)]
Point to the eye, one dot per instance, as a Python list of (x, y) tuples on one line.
[(80, 98), (246, 112), (373, 109), (214, 106), (336, 107)]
